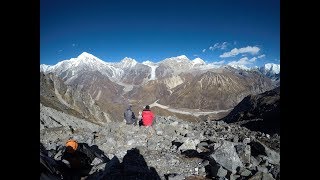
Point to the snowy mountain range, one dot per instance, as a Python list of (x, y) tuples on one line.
[(116, 70)]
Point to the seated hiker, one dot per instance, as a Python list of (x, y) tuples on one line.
[(129, 116), (77, 159), (147, 116)]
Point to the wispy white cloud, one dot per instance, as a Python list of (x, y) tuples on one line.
[(253, 59), (204, 50), (224, 45), (236, 51), (262, 56), (221, 46), (60, 51), (196, 55), (218, 62), (243, 61)]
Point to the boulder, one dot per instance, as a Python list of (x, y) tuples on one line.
[(244, 153), (225, 154), (189, 144), (218, 171), (261, 176), (259, 148)]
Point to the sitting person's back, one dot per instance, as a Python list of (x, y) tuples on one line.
[(147, 116), (129, 116)]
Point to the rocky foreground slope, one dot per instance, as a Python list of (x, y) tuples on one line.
[(172, 149)]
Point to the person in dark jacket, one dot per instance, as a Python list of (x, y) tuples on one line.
[(147, 116), (129, 116)]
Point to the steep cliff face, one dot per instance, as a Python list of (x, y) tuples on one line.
[(258, 112)]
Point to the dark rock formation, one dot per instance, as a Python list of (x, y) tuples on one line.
[(258, 112)]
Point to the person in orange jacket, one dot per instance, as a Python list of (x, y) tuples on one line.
[(147, 116)]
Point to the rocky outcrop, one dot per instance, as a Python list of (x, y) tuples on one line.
[(258, 112)]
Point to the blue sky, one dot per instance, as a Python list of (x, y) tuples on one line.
[(226, 31)]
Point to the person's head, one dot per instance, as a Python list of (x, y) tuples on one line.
[(147, 107), (71, 146), (129, 107)]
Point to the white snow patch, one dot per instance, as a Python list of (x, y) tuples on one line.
[(153, 71), (149, 63)]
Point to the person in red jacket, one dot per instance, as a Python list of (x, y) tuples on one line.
[(147, 116)]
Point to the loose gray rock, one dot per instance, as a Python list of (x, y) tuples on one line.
[(262, 169), (244, 153), (176, 177), (189, 144), (227, 156), (275, 171), (261, 176), (218, 171), (244, 172), (261, 149)]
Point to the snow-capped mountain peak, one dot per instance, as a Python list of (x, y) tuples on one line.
[(128, 62), (272, 68), (177, 59), (198, 61), (85, 58), (239, 66), (44, 67), (182, 57), (86, 55)]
